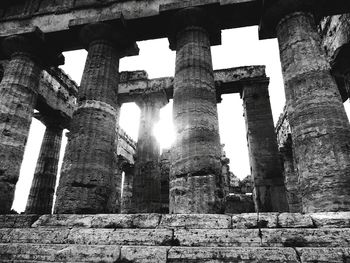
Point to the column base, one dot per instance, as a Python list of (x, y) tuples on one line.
[(196, 194)]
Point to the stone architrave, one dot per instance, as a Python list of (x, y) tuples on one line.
[(265, 164), (29, 54), (41, 193), (195, 173), (319, 124), (146, 191), (86, 182)]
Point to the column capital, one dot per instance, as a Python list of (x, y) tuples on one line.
[(276, 10), (48, 121), (155, 97), (34, 44), (111, 28), (187, 17)]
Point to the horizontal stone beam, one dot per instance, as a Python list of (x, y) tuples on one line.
[(56, 95), (144, 18), (227, 81)]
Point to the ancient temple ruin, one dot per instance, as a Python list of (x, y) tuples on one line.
[(121, 201)]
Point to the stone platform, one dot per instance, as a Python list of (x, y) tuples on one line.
[(273, 237)]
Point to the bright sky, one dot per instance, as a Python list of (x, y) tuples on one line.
[(240, 47)]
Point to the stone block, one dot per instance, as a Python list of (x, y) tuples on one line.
[(58, 253), (320, 255), (306, 237), (126, 221), (331, 219), (132, 237), (64, 220), (17, 221), (99, 221), (239, 203), (229, 254), (34, 235), (137, 254), (198, 221), (253, 220), (217, 237), (294, 220)]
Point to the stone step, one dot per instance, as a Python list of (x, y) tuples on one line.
[(162, 254), (197, 221), (323, 237)]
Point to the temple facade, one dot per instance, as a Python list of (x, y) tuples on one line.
[(123, 201)]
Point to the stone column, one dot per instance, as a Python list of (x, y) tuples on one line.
[(87, 175), (195, 173), (146, 191), (265, 163), (320, 127), (41, 193), (126, 200), (18, 95), (291, 178)]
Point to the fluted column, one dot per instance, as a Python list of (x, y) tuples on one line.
[(291, 178), (146, 191), (41, 193), (18, 95), (126, 200), (265, 163), (87, 174), (320, 127), (195, 173)]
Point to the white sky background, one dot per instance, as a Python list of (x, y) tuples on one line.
[(240, 47)]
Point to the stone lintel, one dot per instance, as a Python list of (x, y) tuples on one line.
[(144, 17), (32, 41), (110, 27), (227, 81), (275, 10)]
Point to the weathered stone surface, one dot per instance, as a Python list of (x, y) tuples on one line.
[(17, 221), (40, 199), (295, 220), (331, 219), (87, 173), (18, 95), (198, 221), (321, 255), (196, 152), (229, 254), (217, 237), (99, 221), (320, 127), (285, 144), (254, 220), (132, 237), (239, 203), (331, 237), (31, 235), (144, 254), (265, 165), (58, 253)]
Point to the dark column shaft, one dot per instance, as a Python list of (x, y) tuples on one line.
[(195, 176), (86, 177), (269, 189), (126, 203), (40, 198), (146, 195), (291, 178), (17, 101), (320, 127)]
